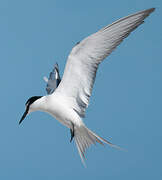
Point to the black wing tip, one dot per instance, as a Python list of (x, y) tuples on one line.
[(151, 9), (148, 11)]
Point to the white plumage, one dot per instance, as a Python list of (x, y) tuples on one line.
[(83, 61), (71, 98)]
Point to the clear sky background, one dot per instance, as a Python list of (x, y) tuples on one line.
[(126, 103)]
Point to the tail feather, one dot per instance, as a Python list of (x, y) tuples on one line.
[(84, 138)]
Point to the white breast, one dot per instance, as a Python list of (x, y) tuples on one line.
[(60, 108)]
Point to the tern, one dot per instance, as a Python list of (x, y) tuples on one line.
[(68, 98)]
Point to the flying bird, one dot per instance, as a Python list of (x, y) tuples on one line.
[(68, 98)]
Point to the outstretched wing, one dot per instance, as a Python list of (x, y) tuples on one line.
[(53, 80), (83, 61)]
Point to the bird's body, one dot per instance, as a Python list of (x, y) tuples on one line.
[(60, 108), (69, 100)]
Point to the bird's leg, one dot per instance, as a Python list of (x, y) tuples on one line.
[(72, 132)]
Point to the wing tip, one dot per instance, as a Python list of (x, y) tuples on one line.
[(56, 65), (151, 9), (147, 12)]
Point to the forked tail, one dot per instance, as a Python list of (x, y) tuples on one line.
[(85, 137)]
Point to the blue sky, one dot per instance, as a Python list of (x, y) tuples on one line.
[(126, 102)]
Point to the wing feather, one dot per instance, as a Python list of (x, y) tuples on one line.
[(83, 61), (53, 81)]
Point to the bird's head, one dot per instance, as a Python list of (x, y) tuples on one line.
[(31, 105)]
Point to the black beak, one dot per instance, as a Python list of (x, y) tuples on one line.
[(24, 115)]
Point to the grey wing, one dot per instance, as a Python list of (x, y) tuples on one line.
[(54, 80), (82, 64)]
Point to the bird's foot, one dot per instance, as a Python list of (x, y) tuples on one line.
[(72, 132)]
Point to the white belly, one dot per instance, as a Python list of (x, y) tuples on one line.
[(60, 108)]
